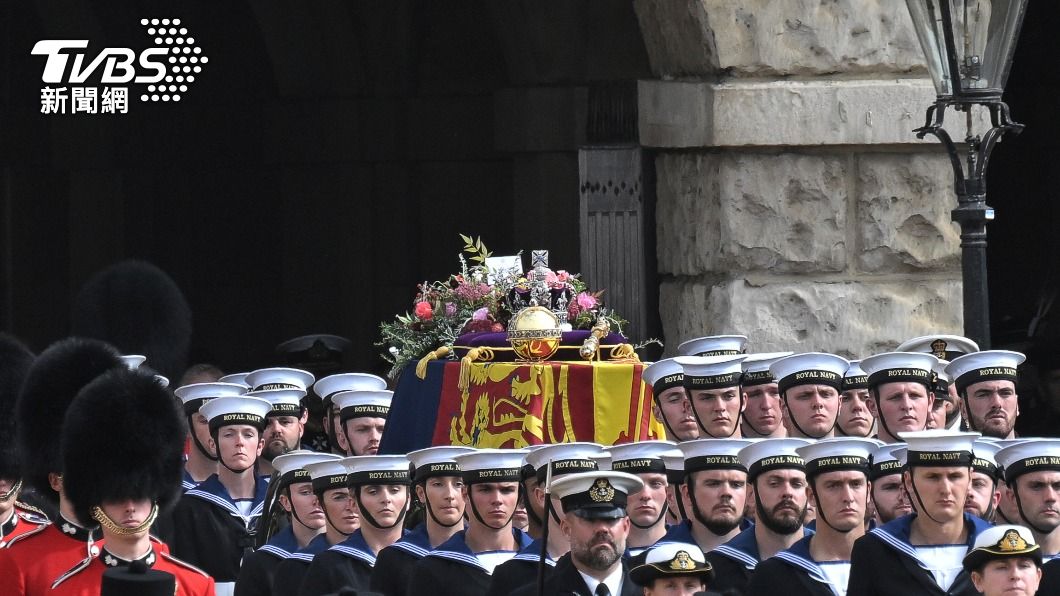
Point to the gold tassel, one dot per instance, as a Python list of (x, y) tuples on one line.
[(421, 366), (482, 353), (624, 352)]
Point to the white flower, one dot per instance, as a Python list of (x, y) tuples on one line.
[(394, 351)]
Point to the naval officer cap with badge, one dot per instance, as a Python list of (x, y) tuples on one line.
[(1006, 561), (671, 404), (215, 524), (927, 547), (837, 471), (777, 475), (462, 565), (129, 476), (809, 389), (595, 522), (674, 568)]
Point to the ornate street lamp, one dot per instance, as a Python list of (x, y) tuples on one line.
[(969, 45)]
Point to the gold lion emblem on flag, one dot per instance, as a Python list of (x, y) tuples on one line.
[(602, 491)]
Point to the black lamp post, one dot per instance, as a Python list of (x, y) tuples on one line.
[(969, 45)]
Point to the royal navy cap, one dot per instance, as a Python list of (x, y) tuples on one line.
[(195, 395), (711, 372), (991, 365), (363, 404), (528, 471), (672, 559), (900, 367), (942, 380), (943, 347), (772, 454), (596, 495), (938, 448), (811, 368), (227, 411), (491, 465), (279, 378), (887, 459), (713, 454), (855, 377), (644, 457), (675, 465), (332, 384), (285, 402), (239, 378), (713, 345), (436, 461), (291, 466), (565, 458), (663, 375), (133, 362), (755, 368), (1002, 542), (837, 454), (983, 452), (327, 474), (377, 469), (1028, 455)]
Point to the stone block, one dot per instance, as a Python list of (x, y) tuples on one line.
[(779, 113), (852, 318), (751, 212), (903, 213), (769, 38), (686, 213)]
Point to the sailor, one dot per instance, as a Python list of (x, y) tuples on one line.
[(819, 565), (921, 553), (714, 345), (284, 424), (945, 348), (713, 386), (777, 477), (676, 505), (202, 459), (889, 499), (945, 412), (379, 486), (528, 482), (214, 524), (16, 518), (523, 568), (1032, 476), (671, 403), (671, 569), (362, 419), (1006, 562), (647, 509), (900, 384), (331, 488), (596, 525), (763, 416), (986, 382), (715, 491), (855, 416), (32, 561), (439, 488), (462, 565), (327, 387), (983, 492), (809, 388), (122, 478), (295, 499)]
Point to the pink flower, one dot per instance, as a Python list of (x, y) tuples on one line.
[(586, 300), (424, 311), (450, 309), (481, 314), (562, 276)]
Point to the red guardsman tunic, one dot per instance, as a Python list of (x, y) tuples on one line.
[(24, 520), (84, 579), (31, 563)]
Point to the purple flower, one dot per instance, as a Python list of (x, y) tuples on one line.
[(450, 309), (481, 314)]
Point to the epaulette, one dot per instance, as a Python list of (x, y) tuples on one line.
[(29, 534), (30, 508), (30, 514), (183, 564)]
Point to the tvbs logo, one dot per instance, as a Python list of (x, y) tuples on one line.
[(167, 69)]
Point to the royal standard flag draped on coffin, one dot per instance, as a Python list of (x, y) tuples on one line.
[(509, 404)]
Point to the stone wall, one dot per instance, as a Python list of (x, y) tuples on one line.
[(795, 205)]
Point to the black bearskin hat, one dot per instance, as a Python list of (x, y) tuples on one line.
[(124, 440), (15, 360), (139, 309), (51, 383)]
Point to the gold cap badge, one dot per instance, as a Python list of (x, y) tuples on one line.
[(602, 491), (682, 561), (938, 349), (1012, 542)]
